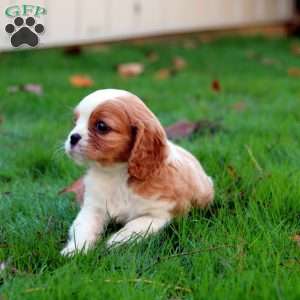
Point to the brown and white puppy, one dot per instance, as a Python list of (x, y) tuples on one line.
[(135, 175)]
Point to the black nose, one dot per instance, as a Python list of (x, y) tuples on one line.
[(74, 139)]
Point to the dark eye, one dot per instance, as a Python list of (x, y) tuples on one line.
[(102, 127)]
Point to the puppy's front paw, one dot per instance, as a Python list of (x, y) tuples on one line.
[(69, 250), (80, 247)]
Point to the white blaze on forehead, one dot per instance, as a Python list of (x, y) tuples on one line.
[(90, 102)]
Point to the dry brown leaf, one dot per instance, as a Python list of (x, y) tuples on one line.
[(216, 86), (81, 81), (179, 63), (163, 74), (77, 187), (73, 50), (182, 129), (294, 72), (130, 69)]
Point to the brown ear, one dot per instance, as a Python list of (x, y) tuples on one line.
[(148, 152)]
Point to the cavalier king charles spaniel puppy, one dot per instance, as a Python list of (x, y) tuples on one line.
[(135, 175)]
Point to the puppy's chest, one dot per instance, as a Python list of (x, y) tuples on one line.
[(112, 194)]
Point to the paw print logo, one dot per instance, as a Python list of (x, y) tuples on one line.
[(22, 34)]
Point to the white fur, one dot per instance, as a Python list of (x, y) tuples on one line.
[(108, 198), (107, 195)]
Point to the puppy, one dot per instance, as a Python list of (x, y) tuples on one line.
[(135, 175)]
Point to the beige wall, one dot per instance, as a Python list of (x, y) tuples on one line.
[(79, 21)]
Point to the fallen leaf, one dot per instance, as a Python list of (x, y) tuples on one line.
[(295, 49), (183, 129), (77, 187), (162, 74), (152, 56), (32, 88), (130, 69), (81, 81), (239, 106), (179, 63), (294, 72), (216, 86), (73, 50), (1, 119), (180, 129)]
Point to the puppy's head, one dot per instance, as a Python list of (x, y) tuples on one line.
[(115, 126)]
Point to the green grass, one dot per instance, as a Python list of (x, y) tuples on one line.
[(240, 248)]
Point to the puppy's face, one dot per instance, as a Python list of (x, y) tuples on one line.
[(113, 126), (102, 132)]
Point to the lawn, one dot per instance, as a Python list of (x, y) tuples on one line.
[(240, 248)]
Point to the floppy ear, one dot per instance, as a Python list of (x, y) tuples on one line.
[(148, 152)]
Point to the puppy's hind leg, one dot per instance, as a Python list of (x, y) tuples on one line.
[(137, 229)]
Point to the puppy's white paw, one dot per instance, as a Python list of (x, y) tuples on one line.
[(69, 250), (80, 247)]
